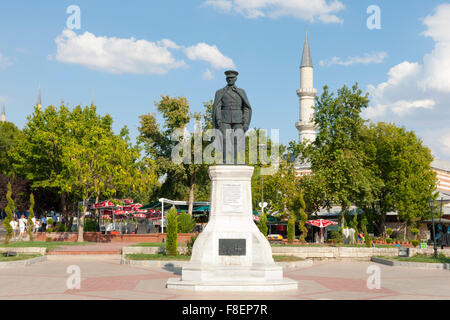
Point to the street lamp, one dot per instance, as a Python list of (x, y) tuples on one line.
[(431, 201)]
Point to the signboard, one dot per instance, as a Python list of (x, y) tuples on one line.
[(232, 247), (403, 252), (232, 200), (423, 245)]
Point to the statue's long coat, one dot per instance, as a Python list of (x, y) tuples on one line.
[(247, 109)]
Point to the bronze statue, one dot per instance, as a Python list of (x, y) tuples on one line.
[(231, 111)]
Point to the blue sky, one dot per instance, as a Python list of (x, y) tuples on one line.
[(405, 65)]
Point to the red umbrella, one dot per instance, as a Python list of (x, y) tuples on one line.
[(321, 223), (139, 215)]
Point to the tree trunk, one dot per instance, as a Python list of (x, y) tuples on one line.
[(404, 232), (343, 209), (64, 207), (191, 196), (81, 223)]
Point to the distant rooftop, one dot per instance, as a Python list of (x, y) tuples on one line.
[(441, 164)]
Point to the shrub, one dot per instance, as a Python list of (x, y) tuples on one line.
[(336, 236), (90, 225), (48, 239), (50, 221), (415, 243), (190, 244), (262, 224), (389, 231), (367, 240), (49, 230), (291, 228), (61, 227), (186, 223), (389, 240), (415, 232), (172, 230)]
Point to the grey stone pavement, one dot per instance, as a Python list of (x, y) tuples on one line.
[(103, 277)]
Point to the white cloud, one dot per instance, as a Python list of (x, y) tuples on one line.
[(368, 58), (418, 95), (116, 55), (208, 75), (210, 54), (5, 62), (309, 10)]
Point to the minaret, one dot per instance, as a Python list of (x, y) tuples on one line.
[(3, 117), (306, 94), (38, 102)]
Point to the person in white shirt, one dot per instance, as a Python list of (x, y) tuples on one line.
[(33, 225), (14, 225), (22, 225)]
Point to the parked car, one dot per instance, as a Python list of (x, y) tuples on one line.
[(274, 237)]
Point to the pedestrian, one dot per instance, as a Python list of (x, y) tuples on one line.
[(22, 225), (44, 223), (14, 226), (33, 224)]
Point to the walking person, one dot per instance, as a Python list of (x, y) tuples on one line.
[(22, 225), (14, 225), (44, 223)]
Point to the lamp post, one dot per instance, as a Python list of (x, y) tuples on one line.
[(431, 201)]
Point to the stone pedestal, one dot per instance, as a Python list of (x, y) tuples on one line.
[(231, 254)]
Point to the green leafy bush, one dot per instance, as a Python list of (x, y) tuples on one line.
[(90, 225), (415, 243), (389, 231), (186, 223), (389, 240), (49, 230), (262, 224), (291, 228), (50, 221), (190, 244), (172, 230), (336, 236), (415, 232)]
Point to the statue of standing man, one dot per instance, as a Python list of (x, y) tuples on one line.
[(232, 115)]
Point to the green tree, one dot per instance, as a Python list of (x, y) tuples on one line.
[(303, 217), (337, 156), (10, 211), (9, 134), (186, 223), (180, 179), (401, 161), (291, 228), (30, 217), (172, 232), (96, 161), (262, 224)]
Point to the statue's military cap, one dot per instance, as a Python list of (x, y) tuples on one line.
[(231, 73)]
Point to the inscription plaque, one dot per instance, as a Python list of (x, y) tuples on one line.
[(232, 198), (232, 247)]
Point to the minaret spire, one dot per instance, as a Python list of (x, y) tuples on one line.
[(38, 102), (3, 116), (306, 94), (306, 56)]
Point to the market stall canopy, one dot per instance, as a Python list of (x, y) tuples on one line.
[(321, 223)]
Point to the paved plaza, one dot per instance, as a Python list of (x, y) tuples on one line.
[(103, 277)]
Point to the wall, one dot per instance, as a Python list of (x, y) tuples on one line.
[(99, 237)]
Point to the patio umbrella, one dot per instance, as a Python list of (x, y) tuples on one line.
[(321, 223)]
